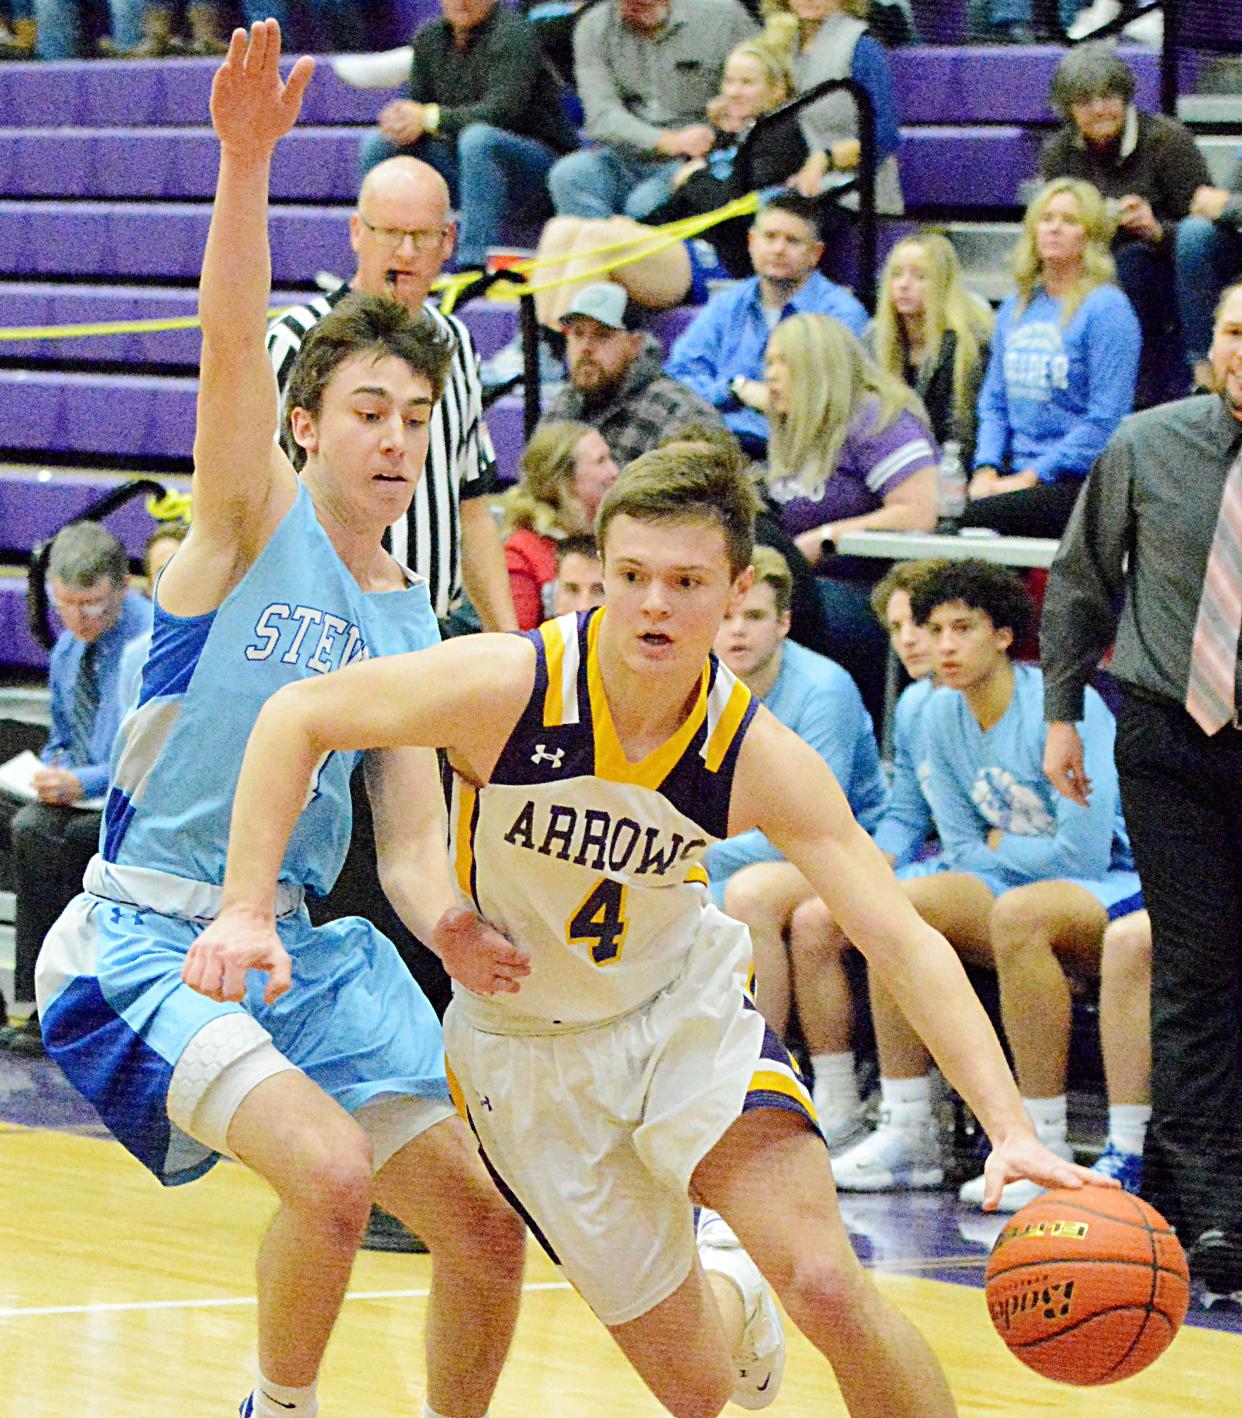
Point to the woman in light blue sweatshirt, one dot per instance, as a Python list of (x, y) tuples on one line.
[(1061, 375)]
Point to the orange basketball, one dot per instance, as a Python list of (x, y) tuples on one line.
[(1087, 1287)]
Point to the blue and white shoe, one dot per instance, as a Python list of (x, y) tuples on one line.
[(891, 1159), (759, 1363), (1123, 1167), (247, 1406)]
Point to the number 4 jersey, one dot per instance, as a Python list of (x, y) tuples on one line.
[(590, 862)]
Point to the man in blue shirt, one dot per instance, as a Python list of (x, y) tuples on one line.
[(817, 699), (1025, 884), (54, 837), (720, 354)]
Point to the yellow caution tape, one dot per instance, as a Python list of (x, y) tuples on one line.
[(451, 286)]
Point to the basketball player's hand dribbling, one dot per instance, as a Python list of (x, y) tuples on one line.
[(1023, 1155), (476, 955), (237, 941)]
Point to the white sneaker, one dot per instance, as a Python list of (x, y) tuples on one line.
[(1015, 1195), (892, 1159), (760, 1359)]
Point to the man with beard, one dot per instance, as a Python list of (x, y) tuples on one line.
[(617, 383), (1158, 534)]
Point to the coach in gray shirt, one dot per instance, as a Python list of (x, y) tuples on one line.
[(1158, 528), (645, 70)]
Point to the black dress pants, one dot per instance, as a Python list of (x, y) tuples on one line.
[(50, 849), (1182, 794)]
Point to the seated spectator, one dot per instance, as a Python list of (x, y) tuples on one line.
[(484, 110), (54, 838), (616, 382), (790, 926), (720, 355), (808, 621), (566, 470), (815, 698), (1025, 883), (849, 450), (158, 552), (932, 333), (808, 693), (828, 39), (579, 575), (1208, 258), (645, 72), (1062, 371), (756, 79), (1148, 168)]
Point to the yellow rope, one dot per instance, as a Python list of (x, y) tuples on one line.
[(660, 238)]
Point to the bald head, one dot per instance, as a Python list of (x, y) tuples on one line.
[(402, 231)]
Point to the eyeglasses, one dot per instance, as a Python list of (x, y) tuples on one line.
[(422, 239), (93, 609)]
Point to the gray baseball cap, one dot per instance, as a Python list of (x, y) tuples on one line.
[(604, 301)]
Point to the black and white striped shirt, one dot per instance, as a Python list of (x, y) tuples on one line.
[(460, 459)]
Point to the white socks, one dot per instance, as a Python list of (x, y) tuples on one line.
[(1127, 1126), (835, 1091), (278, 1401), (906, 1102), (1048, 1115)]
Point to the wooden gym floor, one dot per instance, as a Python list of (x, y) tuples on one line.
[(119, 1298)]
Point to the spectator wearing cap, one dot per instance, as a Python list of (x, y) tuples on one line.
[(646, 71), (1147, 168), (617, 383), (720, 354)]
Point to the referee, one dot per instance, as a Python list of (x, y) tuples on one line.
[(402, 233), (1158, 532)]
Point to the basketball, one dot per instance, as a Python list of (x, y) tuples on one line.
[(1087, 1287)]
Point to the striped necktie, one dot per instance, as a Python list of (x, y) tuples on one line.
[(85, 708), (1214, 650)]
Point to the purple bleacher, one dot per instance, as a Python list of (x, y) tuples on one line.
[(36, 502), (995, 83), (312, 164), (940, 85), (971, 167), (163, 239), (941, 21), (121, 416), (17, 645)]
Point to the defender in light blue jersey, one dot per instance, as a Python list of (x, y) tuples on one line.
[(783, 914), (1026, 881), (817, 699), (330, 1082)]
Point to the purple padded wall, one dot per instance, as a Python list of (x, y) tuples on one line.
[(36, 502)]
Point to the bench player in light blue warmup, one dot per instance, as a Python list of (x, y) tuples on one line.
[(596, 759), (333, 1090)]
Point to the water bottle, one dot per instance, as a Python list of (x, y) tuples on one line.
[(952, 483)]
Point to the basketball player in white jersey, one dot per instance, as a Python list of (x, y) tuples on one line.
[(610, 1059)]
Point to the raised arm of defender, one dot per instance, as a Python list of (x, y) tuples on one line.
[(243, 484), (785, 789)]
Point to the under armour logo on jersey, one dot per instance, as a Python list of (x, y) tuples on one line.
[(541, 755)]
